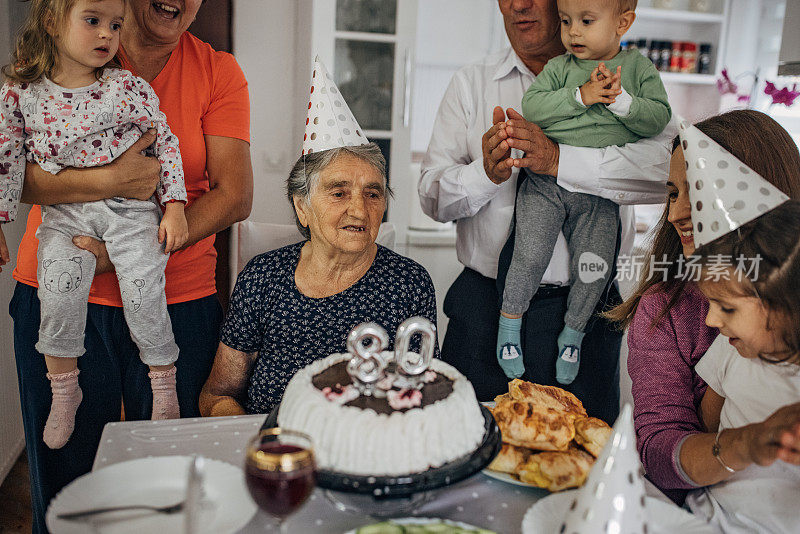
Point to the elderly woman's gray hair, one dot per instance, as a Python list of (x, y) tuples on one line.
[(304, 177)]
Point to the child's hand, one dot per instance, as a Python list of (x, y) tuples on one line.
[(615, 79), (4, 255), (173, 230), (602, 87)]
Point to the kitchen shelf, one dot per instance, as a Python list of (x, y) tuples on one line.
[(651, 13), (688, 78)]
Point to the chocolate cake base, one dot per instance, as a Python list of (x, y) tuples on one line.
[(336, 375)]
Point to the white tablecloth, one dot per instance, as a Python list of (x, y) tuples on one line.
[(480, 501)]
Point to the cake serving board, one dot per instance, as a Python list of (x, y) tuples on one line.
[(398, 486)]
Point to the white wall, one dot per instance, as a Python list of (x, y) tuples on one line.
[(475, 29), (264, 45), (11, 434)]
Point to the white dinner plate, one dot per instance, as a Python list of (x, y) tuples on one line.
[(157, 481), (420, 522), (548, 514), (510, 479)]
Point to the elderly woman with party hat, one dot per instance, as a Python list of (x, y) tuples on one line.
[(666, 315), (296, 304)]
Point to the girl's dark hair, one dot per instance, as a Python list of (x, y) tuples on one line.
[(771, 251), (36, 50), (755, 139)]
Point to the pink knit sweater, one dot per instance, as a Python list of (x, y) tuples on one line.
[(666, 389)]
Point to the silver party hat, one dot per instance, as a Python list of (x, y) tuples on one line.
[(725, 193), (612, 501), (330, 123)]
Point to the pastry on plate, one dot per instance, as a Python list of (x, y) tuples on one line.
[(592, 434), (510, 459), (556, 471), (500, 398), (532, 426), (545, 396)]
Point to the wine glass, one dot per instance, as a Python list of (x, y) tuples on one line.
[(280, 471)]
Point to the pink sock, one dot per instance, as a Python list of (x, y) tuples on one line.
[(165, 398), (67, 397)]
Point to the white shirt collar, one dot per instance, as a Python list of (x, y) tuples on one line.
[(509, 63)]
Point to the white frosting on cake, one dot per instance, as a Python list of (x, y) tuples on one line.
[(360, 441)]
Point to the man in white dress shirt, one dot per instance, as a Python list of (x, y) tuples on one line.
[(470, 175)]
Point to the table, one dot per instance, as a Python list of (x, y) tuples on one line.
[(480, 500)]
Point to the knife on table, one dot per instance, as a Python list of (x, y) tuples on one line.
[(194, 491)]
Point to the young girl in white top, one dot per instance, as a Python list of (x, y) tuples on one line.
[(64, 104), (753, 373)]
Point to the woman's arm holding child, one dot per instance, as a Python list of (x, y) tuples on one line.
[(131, 175), (776, 438), (710, 409)]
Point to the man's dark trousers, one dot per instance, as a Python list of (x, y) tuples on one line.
[(472, 306)]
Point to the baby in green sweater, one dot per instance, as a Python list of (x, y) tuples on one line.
[(595, 95)]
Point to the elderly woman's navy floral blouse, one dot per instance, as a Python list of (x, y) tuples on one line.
[(269, 315)]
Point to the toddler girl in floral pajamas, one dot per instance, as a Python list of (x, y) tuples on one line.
[(65, 105)]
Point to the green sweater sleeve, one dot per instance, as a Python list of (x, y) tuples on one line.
[(650, 111), (547, 101)]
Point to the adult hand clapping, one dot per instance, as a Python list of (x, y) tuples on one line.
[(540, 152), (496, 150)]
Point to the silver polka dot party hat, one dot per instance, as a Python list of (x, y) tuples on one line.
[(612, 500), (725, 193), (330, 123)]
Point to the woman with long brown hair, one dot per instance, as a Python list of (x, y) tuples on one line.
[(665, 316)]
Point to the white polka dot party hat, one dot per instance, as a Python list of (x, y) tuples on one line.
[(612, 500), (330, 123), (725, 193)]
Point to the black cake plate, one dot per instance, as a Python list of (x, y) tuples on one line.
[(405, 486)]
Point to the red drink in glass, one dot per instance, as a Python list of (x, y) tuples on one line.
[(276, 492), (280, 472)]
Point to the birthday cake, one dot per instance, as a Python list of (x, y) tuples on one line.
[(393, 423)]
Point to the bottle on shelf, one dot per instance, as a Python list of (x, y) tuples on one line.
[(666, 54), (641, 44), (676, 57), (704, 59), (655, 52), (689, 57)]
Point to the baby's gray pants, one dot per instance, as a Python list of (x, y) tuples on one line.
[(590, 224), (129, 229)]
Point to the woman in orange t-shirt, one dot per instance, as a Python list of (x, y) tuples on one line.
[(205, 98)]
